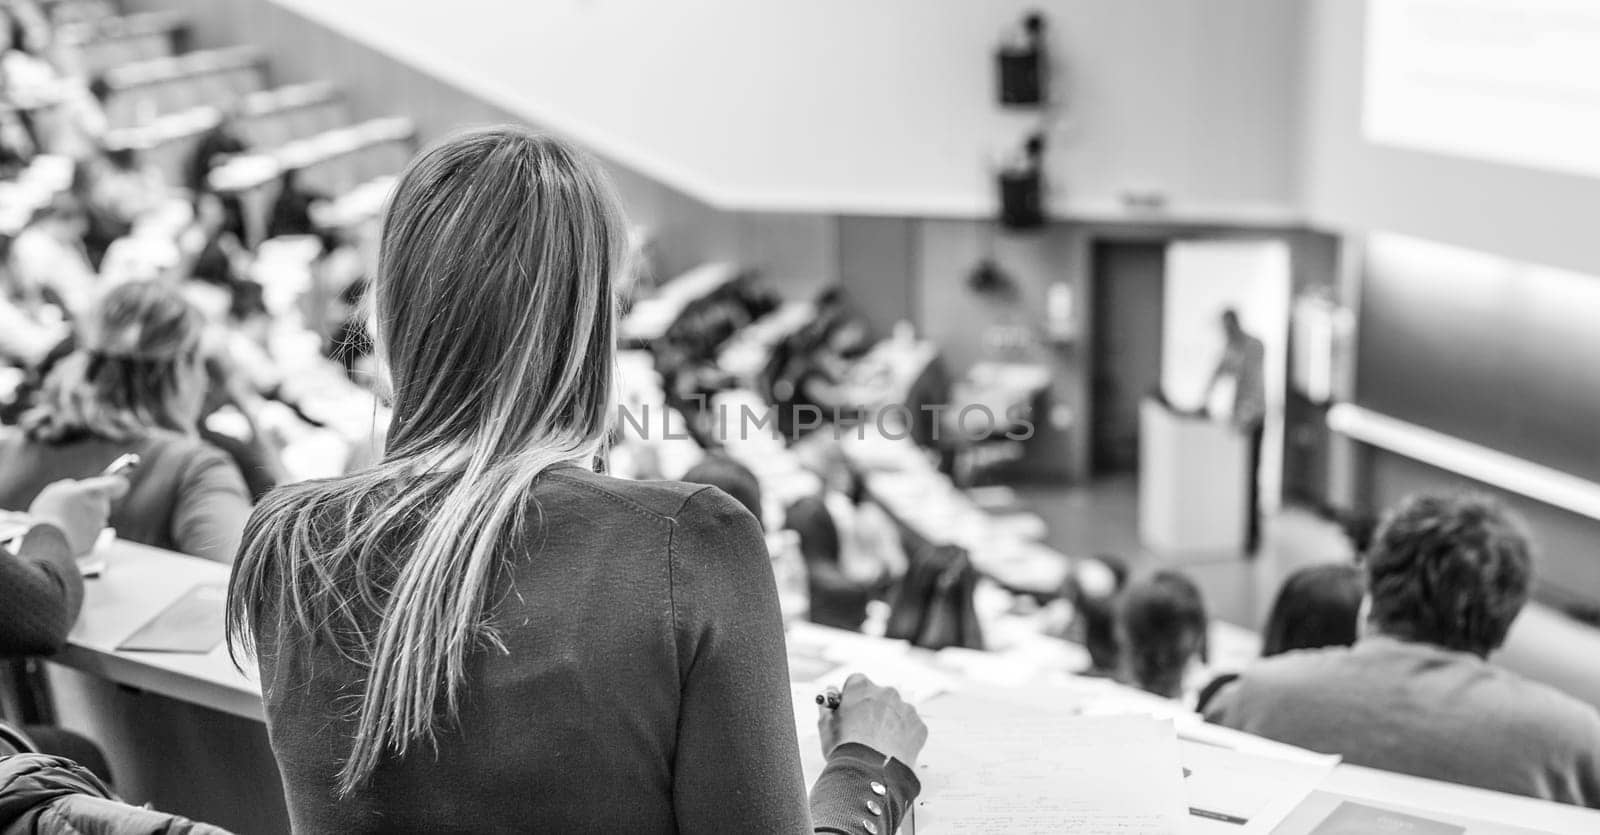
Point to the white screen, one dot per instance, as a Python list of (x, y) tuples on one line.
[(1509, 81)]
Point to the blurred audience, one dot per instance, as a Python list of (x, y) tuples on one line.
[(48, 256), (851, 547), (1317, 606), (1091, 590), (1445, 578), (136, 385), (1161, 633), (31, 324)]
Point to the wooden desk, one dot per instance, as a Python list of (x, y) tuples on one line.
[(186, 732)]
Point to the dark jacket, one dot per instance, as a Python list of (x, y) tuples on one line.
[(44, 794)]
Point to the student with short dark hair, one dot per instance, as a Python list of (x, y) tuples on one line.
[(1445, 577), (1161, 632)]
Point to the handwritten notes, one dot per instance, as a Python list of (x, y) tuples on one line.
[(992, 767)]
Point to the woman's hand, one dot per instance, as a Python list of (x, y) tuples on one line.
[(876, 717), (79, 508)]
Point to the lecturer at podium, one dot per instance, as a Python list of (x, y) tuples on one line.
[(1243, 367)]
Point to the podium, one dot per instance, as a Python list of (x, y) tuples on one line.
[(1193, 484)]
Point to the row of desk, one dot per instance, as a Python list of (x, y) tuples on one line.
[(186, 732)]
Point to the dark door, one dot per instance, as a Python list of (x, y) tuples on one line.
[(1129, 283)]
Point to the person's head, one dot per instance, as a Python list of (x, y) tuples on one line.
[(120, 159), (495, 318), (1231, 325), (139, 368), (100, 88), (1092, 588), (498, 247), (1317, 606), (1161, 627), (848, 337), (1452, 571), (731, 477)]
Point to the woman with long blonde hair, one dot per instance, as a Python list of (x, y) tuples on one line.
[(482, 633)]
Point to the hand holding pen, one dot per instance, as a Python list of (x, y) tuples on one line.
[(871, 715)]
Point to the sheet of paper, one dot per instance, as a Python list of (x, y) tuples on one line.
[(193, 623), (1234, 791), (991, 766)]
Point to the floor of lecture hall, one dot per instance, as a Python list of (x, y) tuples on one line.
[(1102, 517)]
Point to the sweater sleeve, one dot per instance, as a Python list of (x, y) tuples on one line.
[(212, 508), (40, 593), (737, 765), (1222, 703)]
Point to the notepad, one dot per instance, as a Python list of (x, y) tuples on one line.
[(193, 623)]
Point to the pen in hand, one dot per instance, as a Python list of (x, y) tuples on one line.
[(829, 698)]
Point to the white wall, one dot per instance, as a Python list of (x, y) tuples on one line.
[(881, 107), (1352, 184)]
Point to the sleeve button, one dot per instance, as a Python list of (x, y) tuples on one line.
[(878, 788), (872, 828), (874, 807)]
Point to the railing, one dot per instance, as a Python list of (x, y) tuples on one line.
[(1480, 463)]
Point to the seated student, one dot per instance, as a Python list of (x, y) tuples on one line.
[(115, 189), (136, 386), (1445, 577), (49, 255), (481, 633), (1161, 633), (31, 326), (808, 373), (41, 588), (1091, 589), (1317, 606), (851, 547)]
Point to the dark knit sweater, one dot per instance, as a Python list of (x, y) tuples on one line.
[(644, 688)]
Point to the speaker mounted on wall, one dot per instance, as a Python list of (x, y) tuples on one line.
[(1021, 65), (1021, 185)]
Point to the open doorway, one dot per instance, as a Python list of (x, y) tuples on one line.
[(1128, 293)]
